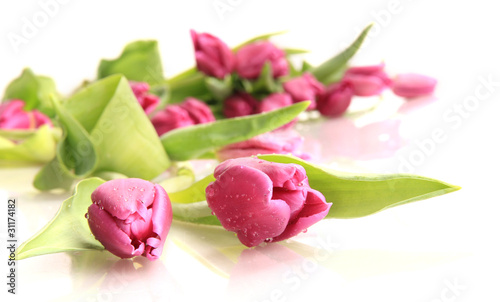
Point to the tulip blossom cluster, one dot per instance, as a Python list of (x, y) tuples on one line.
[(215, 59), (14, 117)]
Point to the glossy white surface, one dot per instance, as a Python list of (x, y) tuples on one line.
[(442, 249)]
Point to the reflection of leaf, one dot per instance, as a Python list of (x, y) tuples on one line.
[(106, 130), (329, 70), (139, 61), (355, 195), (69, 230), (194, 141), (34, 90), (33, 146)]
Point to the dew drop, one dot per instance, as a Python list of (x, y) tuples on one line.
[(87, 215), (304, 231)]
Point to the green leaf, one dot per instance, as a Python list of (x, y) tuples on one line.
[(355, 195), (194, 141), (294, 51), (220, 89), (34, 90), (140, 61), (194, 193), (20, 147), (327, 72), (106, 130), (264, 84), (258, 38), (190, 85), (69, 229), (197, 212)]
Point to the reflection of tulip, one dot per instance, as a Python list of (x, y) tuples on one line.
[(147, 101), (264, 201), (304, 88), (367, 80), (213, 57), (188, 113), (250, 60), (130, 217), (241, 104), (411, 85), (336, 99), (284, 141), (13, 116)]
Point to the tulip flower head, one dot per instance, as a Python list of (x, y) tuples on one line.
[(147, 101), (130, 217), (213, 57), (188, 113), (367, 80), (250, 60), (240, 104), (304, 88), (264, 201), (13, 116), (412, 85), (335, 100)]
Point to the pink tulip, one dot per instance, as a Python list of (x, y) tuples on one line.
[(304, 88), (213, 57), (335, 100), (188, 113), (147, 101), (411, 85), (274, 101), (130, 217), (198, 111), (264, 201), (13, 116), (283, 141), (240, 104), (367, 80), (250, 60)]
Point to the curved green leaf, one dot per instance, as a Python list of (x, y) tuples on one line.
[(34, 90), (106, 130), (328, 71), (19, 147), (194, 141), (139, 61), (194, 193), (355, 196), (69, 229), (197, 212)]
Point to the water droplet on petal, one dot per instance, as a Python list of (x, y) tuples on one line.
[(87, 215), (304, 231)]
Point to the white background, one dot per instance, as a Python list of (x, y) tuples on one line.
[(443, 249)]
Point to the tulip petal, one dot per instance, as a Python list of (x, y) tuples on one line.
[(315, 209), (161, 219), (104, 228), (241, 199), (135, 196)]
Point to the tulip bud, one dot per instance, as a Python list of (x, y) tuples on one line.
[(367, 80), (411, 85), (264, 201), (213, 57), (147, 101), (241, 104), (281, 141), (304, 88), (335, 100), (188, 113), (250, 60), (130, 217), (13, 116)]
